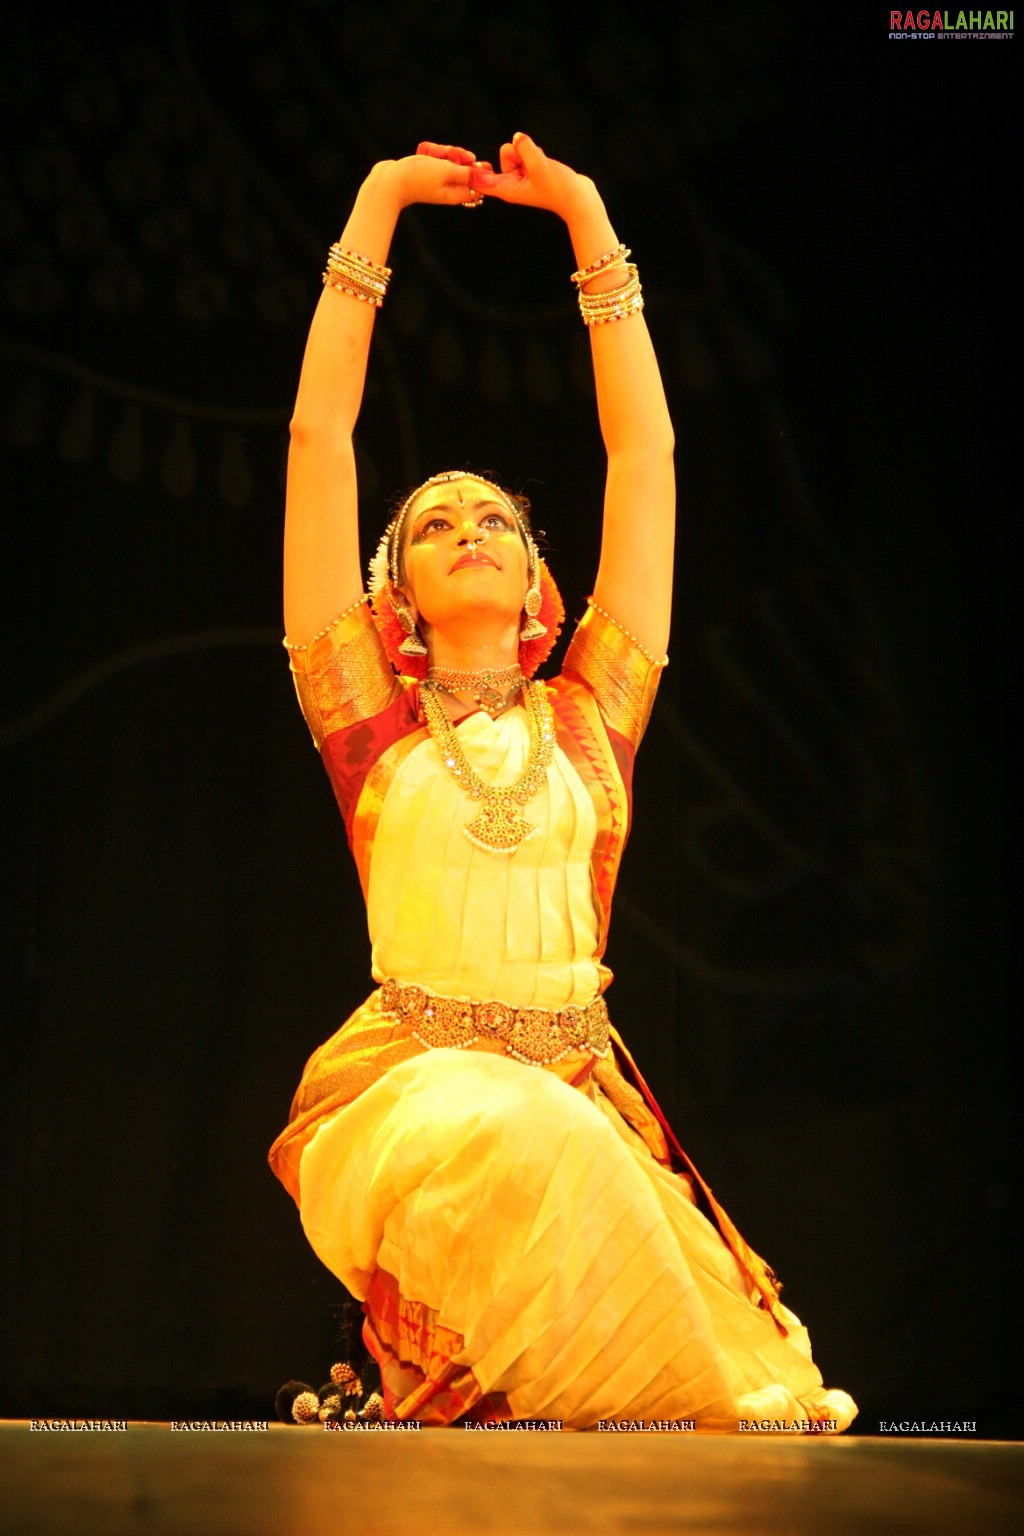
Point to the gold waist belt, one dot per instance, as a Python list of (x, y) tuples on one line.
[(538, 1036)]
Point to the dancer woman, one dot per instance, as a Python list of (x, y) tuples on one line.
[(474, 1154)]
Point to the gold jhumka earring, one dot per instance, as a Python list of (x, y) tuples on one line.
[(532, 628), (412, 645)]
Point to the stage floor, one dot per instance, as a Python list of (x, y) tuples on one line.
[(306, 1482)]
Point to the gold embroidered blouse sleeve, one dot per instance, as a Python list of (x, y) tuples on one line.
[(342, 676), (622, 676)]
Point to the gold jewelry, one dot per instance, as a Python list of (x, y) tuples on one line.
[(491, 688), (348, 285), (609, 306), (356, 275), (629, 277), (613, 303), (533, 629), (344, 253), (412, 645), (363, 276), (609, 259), (500, 826), (537, 1036)]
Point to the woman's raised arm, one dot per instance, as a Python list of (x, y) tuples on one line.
[(634, 579), (322, 568)]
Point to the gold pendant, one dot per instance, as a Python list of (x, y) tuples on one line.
[(500, 827)]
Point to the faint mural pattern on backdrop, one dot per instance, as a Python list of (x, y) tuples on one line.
[(174, 188)]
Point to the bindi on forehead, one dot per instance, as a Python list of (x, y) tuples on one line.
[(459, 487)]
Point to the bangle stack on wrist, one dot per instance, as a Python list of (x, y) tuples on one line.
[(356, 275), (610, 304), (613, 303)]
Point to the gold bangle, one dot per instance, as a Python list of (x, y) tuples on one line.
[(363, 261), (353, 274), (609, 259), (613, 303), (347, 285), (623, 312), (616, 300), (340, 262), (362, 277), (624, 295), (356, 275), (588, 300), (615, 267)]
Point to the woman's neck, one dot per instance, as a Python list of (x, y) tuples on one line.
[(470, 649), (467, 655)]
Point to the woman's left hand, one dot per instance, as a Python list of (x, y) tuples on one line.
[(529, 177)]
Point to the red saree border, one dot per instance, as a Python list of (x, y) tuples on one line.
[(419, 1375)]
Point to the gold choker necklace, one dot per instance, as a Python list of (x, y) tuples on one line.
[(492, 688), (500, 826)]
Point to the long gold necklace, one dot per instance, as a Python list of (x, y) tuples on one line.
[(500, 826)]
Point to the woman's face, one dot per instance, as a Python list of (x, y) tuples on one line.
[(462, 552)]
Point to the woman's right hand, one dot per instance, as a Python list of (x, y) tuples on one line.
[(437, 173)]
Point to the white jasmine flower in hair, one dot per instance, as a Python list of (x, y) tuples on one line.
[(380, 573)]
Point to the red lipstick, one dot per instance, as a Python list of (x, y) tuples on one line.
[(473, 559)]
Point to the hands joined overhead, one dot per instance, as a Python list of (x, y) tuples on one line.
[(446, 173)]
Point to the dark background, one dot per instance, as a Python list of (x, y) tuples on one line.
[(809, 940)]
